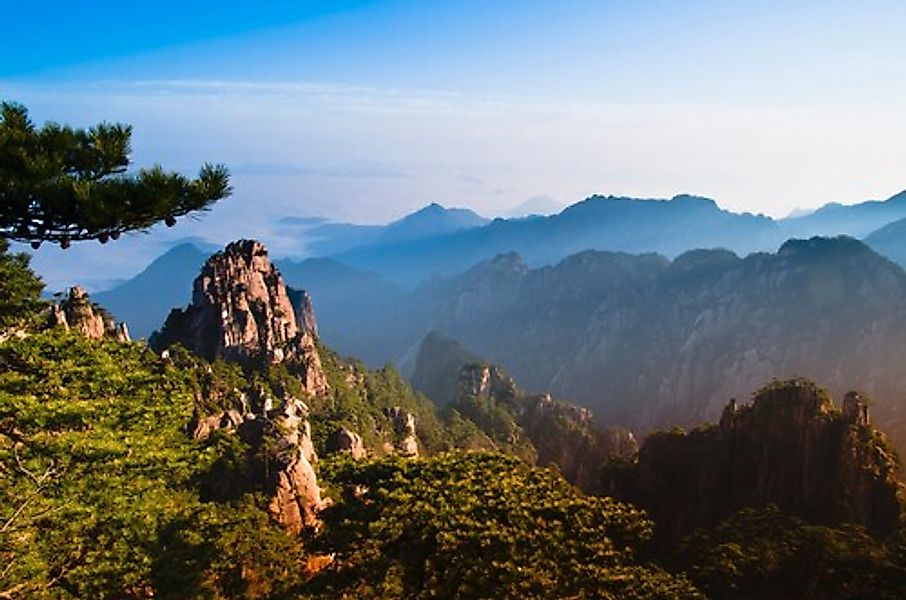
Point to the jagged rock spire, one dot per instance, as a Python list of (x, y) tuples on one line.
[(240, 311), (76, 312)]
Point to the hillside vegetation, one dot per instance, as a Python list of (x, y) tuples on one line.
[(127, 473)]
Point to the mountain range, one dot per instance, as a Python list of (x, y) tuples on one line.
[(432, 220), (646, 339), (650, 343), (360, 274)]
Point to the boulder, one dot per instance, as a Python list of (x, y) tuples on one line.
[(344, 440)]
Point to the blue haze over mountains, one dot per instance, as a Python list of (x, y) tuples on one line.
[(642, 310), (395, 260)]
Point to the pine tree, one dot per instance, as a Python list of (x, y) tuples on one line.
[(62, 184), (20, 289)]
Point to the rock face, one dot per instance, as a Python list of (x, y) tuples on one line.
[(486, 380), (240, 311), (565, 435), (791, 447), (406, 440), (76, 312), (295, 496), (305, 315), (561, 434), (280, 460), (344, 440)]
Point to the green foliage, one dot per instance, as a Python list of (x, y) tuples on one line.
[(763, 553), (464, 434), (97, 481), (471, 525), (358, 400), (62, 184), (497, 419), (20, 289), (226, 551)]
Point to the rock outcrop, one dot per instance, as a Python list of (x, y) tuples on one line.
[(240, 311), (295, 495), (791, 447), (305, 314), (344, 440), (566, 436), (561, 434), (486, 380), (76, 312), (279, 462), (405, 438)]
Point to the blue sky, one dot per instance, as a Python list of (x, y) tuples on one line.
[(364, 111)]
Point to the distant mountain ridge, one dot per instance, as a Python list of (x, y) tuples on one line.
[(890, 241), (432, 220), (856, 220), (635, 225), (144, 301), (647, 343), (605, 223)]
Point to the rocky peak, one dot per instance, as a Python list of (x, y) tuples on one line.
[(241, 311), (305, 315), (345, 440), (855, 409), (76, 312), (791, 447)]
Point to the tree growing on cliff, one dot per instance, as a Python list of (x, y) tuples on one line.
[(63, 184)]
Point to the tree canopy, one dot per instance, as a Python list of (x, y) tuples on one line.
[(63, 184), (479, 525), (20, 289)]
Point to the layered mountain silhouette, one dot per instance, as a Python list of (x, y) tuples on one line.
[(890, 241), (648, 343), (432, 220), (856, 220), (145, 300), (607, 223), (444, 242)]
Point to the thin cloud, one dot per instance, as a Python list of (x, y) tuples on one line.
[(366, 170)]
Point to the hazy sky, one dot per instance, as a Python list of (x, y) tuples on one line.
[(364, 111)]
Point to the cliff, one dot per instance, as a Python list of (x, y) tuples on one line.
[(241, 312), (791, 447)]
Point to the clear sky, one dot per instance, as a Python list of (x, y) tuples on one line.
[(364, 111)]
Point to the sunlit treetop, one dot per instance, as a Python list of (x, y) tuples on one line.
[(62, 184)]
